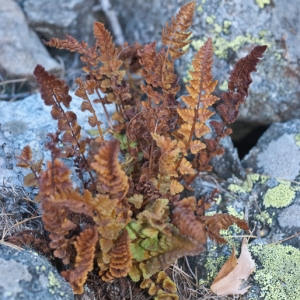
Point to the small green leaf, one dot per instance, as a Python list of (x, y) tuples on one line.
[(133, 229), (150, 232), (150, 244), (137, 251)]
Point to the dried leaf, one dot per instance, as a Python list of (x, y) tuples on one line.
[(30, 180), (230, 278)]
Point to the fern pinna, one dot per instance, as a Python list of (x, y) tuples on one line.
[(127, 215)]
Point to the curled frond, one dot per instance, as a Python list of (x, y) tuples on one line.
[(121, 258), (185, 220), (85, 246), (112, 178)]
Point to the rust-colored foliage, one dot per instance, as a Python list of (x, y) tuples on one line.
[(221, 221), (238, 84), (185, 220), (112, 178), (127, 214), (85, 247), (121, 258), (25, 161)]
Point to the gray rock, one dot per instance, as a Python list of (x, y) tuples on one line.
[(277, 152), (28, 122), (235, 27), (20, 48), (27, 275), (54, 19), (228, 164)]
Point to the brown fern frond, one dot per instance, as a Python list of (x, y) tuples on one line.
[(184, 219), (52, 90), (25, 161), (56, 210), (238, 84), (25, 157), (56, 177), (70, 44), (82, 91), (121, 258), (108, 53), (85, 246), (174, 36), (196, 112), (55, 92), (112, 178), (221, 221)]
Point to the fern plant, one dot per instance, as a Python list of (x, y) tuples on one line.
[(127, 215)]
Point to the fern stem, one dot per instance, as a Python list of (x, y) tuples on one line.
[(105, 111), (74, 136), (95, 116)]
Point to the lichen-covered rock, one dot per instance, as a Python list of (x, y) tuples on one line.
[(27, 275), (20, 48), (277, 152), (271, 206), (235, 27)]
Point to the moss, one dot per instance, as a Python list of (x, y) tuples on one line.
[(279, 196), (278, 276), (53, 283), (262, 3)]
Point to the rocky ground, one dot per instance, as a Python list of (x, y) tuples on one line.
[(263, 187)]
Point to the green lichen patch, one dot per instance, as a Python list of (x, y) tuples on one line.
[(262, 3), (53, 283), (213, 264), (277, 272), (265, 217), (279, 196), (297, 139), (247, 185)]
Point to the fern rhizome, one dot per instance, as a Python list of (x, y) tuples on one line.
[(127, 217)]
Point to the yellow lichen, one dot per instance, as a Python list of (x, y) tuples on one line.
[(262, 3), (280, 196), (278, 272)]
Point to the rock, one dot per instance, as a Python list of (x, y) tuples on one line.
[(27, 275), (277, 152), (271, 207), (55, 19), (274, 94), (28, 122), (20, 48), (228, 164)]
